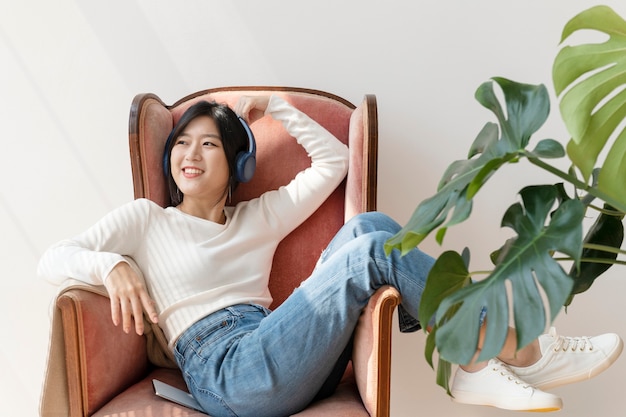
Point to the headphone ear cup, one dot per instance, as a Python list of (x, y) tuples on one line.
[(246, 165), (246, 161)]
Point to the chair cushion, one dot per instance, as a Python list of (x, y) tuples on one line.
[(139, 400), (345, 402)]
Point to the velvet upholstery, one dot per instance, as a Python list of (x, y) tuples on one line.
[(104, 374), (108, 372)]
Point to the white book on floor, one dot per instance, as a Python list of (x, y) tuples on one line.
[(175, 395)]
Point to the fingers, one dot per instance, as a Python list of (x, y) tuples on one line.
[(137, 315), (251, 108), (243, 106), (115, 310), (124, 310), (129, 298), (129, 310), (148, 306)]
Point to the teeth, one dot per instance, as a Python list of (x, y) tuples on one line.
[(193, 171)]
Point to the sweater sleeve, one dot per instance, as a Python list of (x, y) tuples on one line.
[(292, 204), (90, 256)]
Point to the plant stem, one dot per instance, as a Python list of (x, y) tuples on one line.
[(575, 181), (604, 248), (594, 260), (603, 261), (471, 274)]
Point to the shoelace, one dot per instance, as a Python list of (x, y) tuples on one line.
[(505, 371), (564, 343)]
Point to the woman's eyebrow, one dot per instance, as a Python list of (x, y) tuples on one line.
[(204, 135)]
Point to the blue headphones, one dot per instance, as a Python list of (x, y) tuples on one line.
[(245, 161)]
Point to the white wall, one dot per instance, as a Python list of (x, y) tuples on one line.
[(69, 70)]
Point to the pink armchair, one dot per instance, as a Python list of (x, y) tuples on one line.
[(103, 383)]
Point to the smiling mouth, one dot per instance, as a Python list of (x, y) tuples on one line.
[(192, 171)]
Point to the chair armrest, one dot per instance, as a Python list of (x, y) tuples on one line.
[(371, 356), (100, 359)]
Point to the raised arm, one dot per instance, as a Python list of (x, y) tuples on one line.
[(290, 205)]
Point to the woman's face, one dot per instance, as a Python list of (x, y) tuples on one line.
[(198, 161)]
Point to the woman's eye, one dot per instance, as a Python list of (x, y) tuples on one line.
[(180, 142), (208, 144)]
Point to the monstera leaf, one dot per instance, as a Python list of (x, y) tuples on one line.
[(448, 274), (607, 230), (526, 263), (527, 108), (593, 77)]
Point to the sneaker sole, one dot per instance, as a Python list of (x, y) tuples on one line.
[(582, 376), (513, 405)]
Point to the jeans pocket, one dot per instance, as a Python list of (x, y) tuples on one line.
[(203, 343)]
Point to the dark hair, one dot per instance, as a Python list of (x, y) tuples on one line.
[(234, 139)]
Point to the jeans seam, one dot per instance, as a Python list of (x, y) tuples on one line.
[(215, 397)]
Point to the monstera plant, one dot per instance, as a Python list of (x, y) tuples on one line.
[(547, 221)]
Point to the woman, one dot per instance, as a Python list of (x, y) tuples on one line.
[(206, 267)]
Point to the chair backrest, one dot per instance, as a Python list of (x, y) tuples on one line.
[(279, 159)]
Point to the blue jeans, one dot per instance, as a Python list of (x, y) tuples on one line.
[(244, 361)]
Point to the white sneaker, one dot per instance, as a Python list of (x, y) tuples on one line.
[(570, 359), (496, 385)]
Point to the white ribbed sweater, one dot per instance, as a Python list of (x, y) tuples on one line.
[(192, 266)]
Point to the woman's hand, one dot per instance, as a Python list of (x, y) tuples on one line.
[(129, 298), (251, 108)]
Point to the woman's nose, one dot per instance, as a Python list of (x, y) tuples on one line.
[(193, 153)]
